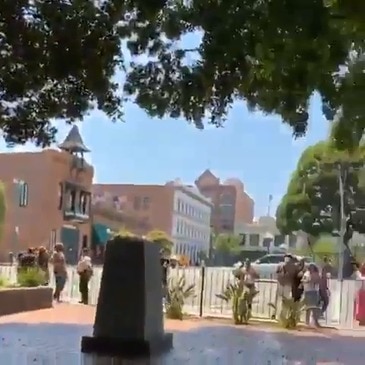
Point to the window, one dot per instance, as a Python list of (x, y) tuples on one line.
[(264, 260), (83, 203), (292, 240), (84, 241), (279, 240), (146, 203), (226, 199), (23, 193), (226, 211), (72, 200), (60, 196), (137, 203), (178, 205), (271, 259), (52, 240), (254, 239), (177, 226), (276, 259), (243, 239), (266, 242)]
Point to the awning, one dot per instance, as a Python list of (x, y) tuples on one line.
[(100, 234)]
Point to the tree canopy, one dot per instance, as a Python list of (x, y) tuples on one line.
[(227, 243), (59, 58), (312, 201)]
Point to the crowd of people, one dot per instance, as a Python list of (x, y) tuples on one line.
[(300, 281), (39, 258)]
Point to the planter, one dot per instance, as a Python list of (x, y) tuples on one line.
[(16, 300)]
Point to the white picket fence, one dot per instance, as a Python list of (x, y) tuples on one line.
[(340, 312)]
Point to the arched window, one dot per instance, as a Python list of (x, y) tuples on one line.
[(60, 196), (23, 193)]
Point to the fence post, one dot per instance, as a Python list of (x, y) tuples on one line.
[(202, 284)]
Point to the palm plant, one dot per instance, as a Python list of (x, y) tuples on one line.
[(290, 312), (177, 292), (241, 298)]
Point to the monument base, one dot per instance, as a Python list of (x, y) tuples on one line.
[(126, 348)]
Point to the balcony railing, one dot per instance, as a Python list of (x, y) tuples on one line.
[(75, 214)]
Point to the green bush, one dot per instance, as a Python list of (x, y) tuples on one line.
[(177, 292), (31, 277)]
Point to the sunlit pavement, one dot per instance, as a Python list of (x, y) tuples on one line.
[(52, 337)]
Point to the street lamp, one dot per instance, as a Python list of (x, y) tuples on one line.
[(342, 232), (342, 173)]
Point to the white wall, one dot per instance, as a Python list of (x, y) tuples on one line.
[(264, 231), (190, 225)]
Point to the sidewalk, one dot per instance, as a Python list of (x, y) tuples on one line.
[(52, 337)]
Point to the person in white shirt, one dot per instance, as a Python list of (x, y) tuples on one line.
[(85, 271), (311, 285), (356, 273)]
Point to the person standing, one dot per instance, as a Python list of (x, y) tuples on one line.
[(85, 271), (297, 285), (326, 274), (43, 259), (311, 281), (285, 276), (59, 270), (356, 273)]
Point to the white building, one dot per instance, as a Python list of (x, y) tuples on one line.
[(191, 230), (263, 234)]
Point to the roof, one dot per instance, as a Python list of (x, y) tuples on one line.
[(73, 142)]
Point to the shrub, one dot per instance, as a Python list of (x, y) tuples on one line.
[(177, 292), (31, 277), (241, 298), (290, 313)]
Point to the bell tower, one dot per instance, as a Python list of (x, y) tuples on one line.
[(74, 145)]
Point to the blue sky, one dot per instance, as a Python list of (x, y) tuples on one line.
[(255, 148)]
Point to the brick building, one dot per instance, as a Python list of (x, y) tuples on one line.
[(48, 198), (180, 211), (231, 204)]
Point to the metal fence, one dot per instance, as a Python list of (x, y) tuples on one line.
[(210, 281)]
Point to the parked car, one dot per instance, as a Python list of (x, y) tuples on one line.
[(266, 266)]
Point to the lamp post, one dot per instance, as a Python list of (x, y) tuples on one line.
[(341, 236), (342, 169), (211, 243), (345, 197)]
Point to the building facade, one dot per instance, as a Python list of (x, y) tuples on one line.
[(191, 217), (179, 211), (263, 234), (231, 204), (48, 198)]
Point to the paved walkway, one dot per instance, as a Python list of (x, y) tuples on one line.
[(52, 337)]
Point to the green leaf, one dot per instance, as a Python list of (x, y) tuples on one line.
[(223, 297)]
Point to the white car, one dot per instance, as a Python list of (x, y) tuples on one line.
[(267, 265)]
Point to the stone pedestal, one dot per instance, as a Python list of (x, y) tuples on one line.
[(129, 319)]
